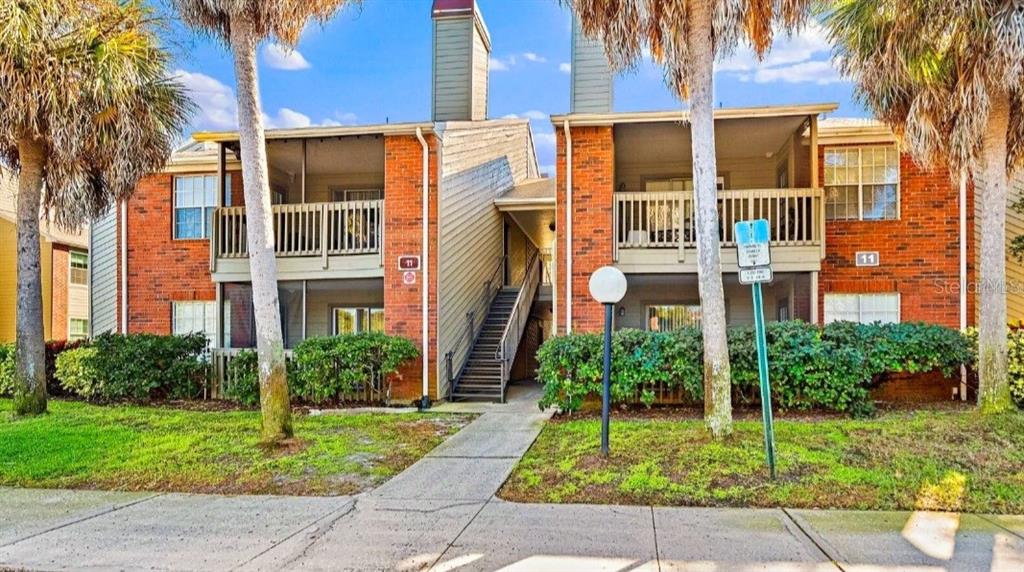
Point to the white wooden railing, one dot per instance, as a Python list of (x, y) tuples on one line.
[(220, 374), (663, 219), (517, 319), (307, 229)]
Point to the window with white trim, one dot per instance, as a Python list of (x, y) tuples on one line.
[(78, 328), (357, 320), (195, 198), (862, 183), (191, 317), (862, 308), (79, 272), (672, 317)]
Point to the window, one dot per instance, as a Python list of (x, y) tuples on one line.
[(79, 268), (357, 320), (78, 329), (782, 309), (668, 318), (190, 317), (863, 308), (195, 198), (338, 195), (676, 184), (862, 183)]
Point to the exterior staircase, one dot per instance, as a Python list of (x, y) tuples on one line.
[(481, 377)]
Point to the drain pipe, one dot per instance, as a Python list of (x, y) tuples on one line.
[(963, 276), (568, 227), (425, 261), (124, 266)]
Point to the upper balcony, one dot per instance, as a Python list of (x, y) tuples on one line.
[(766, 169), (328, 212)]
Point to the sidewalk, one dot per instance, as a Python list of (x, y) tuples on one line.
[(441, 514)]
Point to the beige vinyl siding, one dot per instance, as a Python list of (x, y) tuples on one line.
[(519, 249), (479, 162), (591, 88), (453, 63), (745, 173), (103, 274), (345, 293), (481, 67), (1014, 268)]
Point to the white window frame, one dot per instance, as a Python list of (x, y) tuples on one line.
[(71, 267), (360, 325), (860, 180), (81, 336), (339, 194), (205, 233), (860, 297), (210, 315)]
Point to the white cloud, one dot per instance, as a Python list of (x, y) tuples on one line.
[(565, 67), (284, 58), (339, 118), (818, 72), (802, 58), (510, 116), (215, 102), (286, 118), (534, 114), (532, 57), (502, 65), (544, 140)]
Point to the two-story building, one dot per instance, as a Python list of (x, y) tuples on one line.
[(388, 227)]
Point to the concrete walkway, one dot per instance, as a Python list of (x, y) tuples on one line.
[(441, 514)]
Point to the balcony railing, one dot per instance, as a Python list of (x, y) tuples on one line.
[(663, 219), (307, 229)]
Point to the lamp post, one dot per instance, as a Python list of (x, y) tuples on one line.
[(607, 286)]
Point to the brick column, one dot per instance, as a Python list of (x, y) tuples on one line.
[(403, 231), (59, 292), (593, 181)]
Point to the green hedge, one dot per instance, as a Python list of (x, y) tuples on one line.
[(831, 367), (53, 349), (6, 370), (327, 369), (1014, 358), (135, 366)]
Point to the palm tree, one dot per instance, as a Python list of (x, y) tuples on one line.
[(241, 25), (685, 36), (948, 77), (87, 110)]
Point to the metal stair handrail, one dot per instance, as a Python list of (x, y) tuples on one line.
[(474, 326), (517, 319)]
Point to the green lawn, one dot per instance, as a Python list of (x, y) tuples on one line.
[(938, 460), (163, 449)]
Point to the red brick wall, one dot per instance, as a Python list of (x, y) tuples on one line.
[(593, 181), (59, 293), (162, 269), (403, 204), (919, 254)]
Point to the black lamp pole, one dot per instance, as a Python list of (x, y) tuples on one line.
[(606, 399)]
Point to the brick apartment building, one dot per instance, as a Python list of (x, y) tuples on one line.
[(388, 227)]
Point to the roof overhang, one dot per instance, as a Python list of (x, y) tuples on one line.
[(867, 132), (607, 119), (321, 132)]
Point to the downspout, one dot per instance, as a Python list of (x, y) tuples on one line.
[(568, 228), (425, 261), (124, 266), (963, 276)]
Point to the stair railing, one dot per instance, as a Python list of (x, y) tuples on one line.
[(475, 318), (517, 319)]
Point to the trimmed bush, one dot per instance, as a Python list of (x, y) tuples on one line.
[(6, 370), (327, 369), (832, 367), (135, 366), (1014, 360)]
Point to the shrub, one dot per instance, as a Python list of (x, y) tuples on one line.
[(331, 368), (831, 367), (53, 349), (79, 372), (6, 369), (136, 366), (243, 380)]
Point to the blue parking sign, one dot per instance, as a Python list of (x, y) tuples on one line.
[(752, 243)]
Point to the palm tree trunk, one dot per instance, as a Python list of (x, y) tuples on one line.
[(274, 404), (30, 357), (717, 390), (993, 387)]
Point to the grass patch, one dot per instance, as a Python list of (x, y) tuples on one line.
[(138, 448), (936, 460)]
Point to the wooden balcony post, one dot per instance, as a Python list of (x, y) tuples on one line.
[(323, 234)]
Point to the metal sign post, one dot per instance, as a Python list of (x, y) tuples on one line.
[(754, 261)]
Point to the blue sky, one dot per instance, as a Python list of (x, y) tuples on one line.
[(372, 64)]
